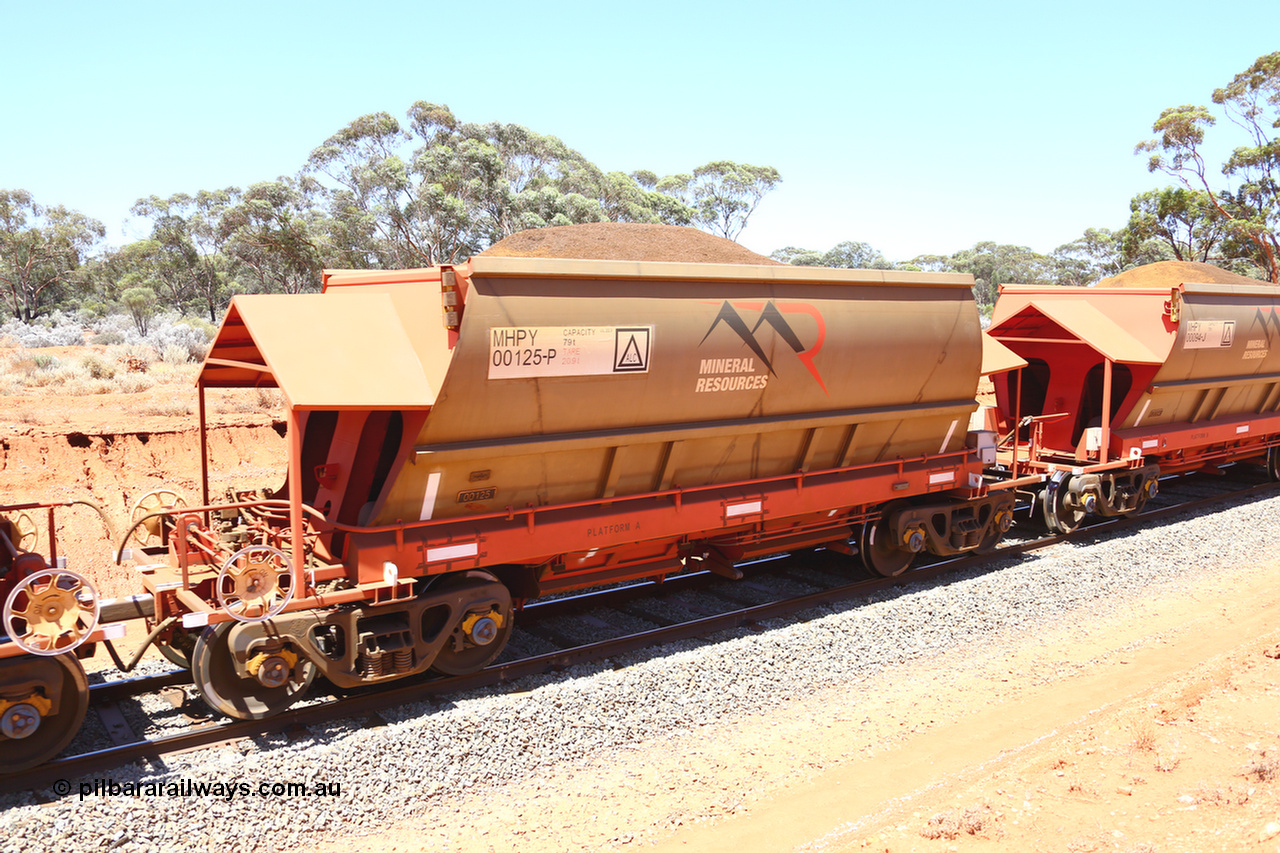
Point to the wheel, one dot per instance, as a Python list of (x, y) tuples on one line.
[(1059, 517), (21, 530), (150, 532), (880, 554), (222, 688), (29, 734), (255, 583), (51, 612), (1149, 491), (991, 540), (1273, 464), (1000, 525), (479, 637)]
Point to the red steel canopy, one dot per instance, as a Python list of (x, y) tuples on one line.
[(330, 351), (998, 358), (1143, 338)]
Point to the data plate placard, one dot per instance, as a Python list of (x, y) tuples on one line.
[(1209, 334), (518, 352)]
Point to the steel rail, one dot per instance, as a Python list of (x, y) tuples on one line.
[(128, 688)]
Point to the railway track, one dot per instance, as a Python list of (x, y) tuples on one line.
[(717, 604)]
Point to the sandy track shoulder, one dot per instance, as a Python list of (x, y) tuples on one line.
[(1119, 730)]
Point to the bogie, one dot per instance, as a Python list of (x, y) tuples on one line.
[(38, 720)]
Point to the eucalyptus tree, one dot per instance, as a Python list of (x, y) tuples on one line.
[(41, 248), (190, 265), (1185, 220), (439, 190), (991, 265), (434, 189), (1248, 202), (1096, 254), (275, 230), (140, 301), (103, 277), (846, 254), (722, 194), (627, 198), (796, 256)]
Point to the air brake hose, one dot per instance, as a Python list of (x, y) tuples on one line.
[(151, 638)]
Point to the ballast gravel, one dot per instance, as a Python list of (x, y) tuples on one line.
[(358, 779)]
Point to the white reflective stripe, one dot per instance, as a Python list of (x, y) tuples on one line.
[(429, 499), (453, 552), (947, 440), (168, 585), (195, 620), (1243, 428), (944, 477), (748, 508), (114, 631), (1150, 443), (1143, 413)]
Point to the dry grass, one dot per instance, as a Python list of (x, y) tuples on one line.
[(1075, 786), (77, 371), (1219, 795), (134, 383), (976, 821), (1144, 739), (1263, 769), (163, 409), (268, 400)]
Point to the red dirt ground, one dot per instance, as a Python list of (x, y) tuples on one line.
[(111, 449)]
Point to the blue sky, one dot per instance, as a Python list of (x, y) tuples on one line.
[(917, 127)]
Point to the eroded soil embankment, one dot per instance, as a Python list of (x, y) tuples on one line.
[(114, 471)]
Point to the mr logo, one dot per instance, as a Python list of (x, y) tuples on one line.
[(773, 314), (1268, 319)]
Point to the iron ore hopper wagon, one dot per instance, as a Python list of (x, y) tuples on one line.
[(1133, 379), (464, 438)]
